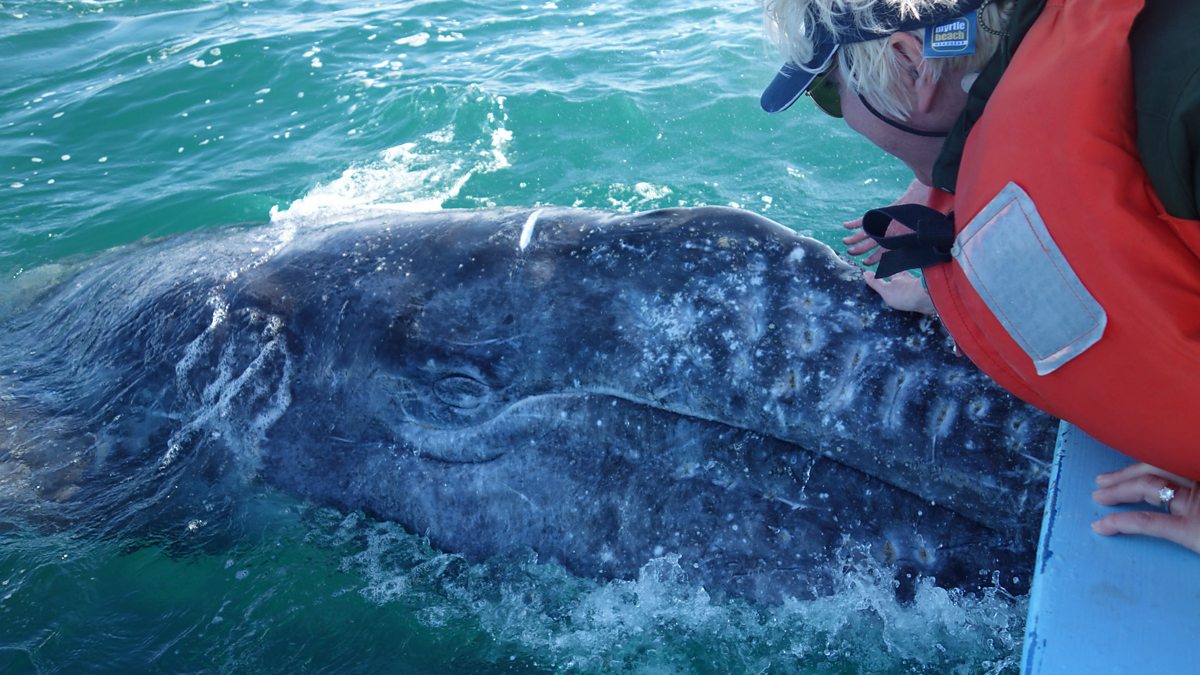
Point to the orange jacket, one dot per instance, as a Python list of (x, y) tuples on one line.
[(1118, 347)]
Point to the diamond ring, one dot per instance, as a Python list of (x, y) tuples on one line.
[(1165, 495)]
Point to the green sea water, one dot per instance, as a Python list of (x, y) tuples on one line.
[(122, 120)]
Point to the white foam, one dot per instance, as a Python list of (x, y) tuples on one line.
[(414, 40), (653, 623), (416, 176)]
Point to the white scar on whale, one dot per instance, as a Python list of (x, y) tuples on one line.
[(527, 230)]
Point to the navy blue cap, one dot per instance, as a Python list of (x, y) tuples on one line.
[(793, 80)]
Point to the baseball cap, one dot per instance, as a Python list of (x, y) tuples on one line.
[(794, 79)]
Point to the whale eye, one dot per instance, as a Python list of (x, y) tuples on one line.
[(462, 391)]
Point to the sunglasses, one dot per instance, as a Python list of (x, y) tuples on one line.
[(824, 92)]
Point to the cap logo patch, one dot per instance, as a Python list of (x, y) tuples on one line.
[(952, 38)]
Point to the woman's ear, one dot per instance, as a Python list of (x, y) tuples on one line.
[(907, 53)]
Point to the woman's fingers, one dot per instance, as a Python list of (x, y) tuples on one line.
[(1144, 483), (1164, 526), (904, 292), (873, 258), (1144, 487), (1140, 469), (857, 241)]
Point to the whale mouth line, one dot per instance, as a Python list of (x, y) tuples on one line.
[(459, 444)]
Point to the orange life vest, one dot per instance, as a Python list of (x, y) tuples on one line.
[(1060, 126)]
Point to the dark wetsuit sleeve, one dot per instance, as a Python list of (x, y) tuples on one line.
[(945, 169), (1166, 80)]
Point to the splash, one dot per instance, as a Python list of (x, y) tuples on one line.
[(663, 622), (418, 175)]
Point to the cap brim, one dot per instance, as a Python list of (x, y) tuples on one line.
[(793, 80)]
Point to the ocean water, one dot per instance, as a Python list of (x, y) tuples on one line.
[(122, 120)]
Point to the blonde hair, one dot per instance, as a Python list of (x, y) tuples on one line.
[(869, 68)]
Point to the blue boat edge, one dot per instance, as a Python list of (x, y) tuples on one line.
[(1104, 604)]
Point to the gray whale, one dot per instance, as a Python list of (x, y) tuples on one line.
[(601, 388)]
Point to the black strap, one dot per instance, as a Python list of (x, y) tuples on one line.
[(928, 244)]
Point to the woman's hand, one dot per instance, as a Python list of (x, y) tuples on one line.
[(901, 291), (1180, 522), (859, 243)]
